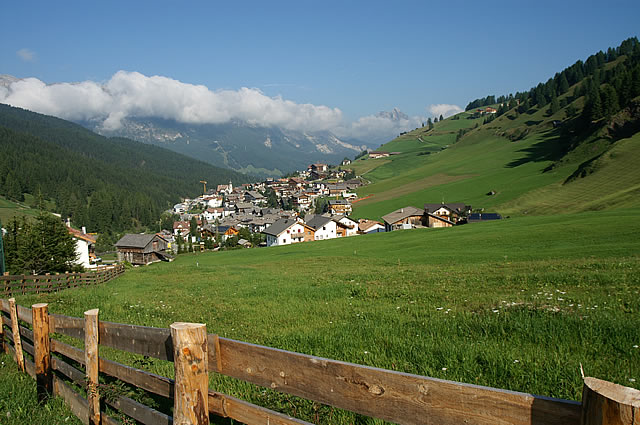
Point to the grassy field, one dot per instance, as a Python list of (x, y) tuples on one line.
[(19, 404), (518, 304)]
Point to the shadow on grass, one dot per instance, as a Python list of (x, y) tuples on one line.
[(552, 147)]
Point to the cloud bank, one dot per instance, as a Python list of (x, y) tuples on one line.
[(131, 95)]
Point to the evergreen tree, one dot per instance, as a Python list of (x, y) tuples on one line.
[(441, 117), (555, 106), (430, 123)]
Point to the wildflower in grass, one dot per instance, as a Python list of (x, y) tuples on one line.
[(440, 308), (635, 346), (444, 369), (516, 361), (632, 380)]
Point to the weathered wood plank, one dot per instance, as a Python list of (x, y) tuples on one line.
[(91, 361), (148, 341), (28, 348), (24, 314), (606, 403), (70, 326), (67, 350), (26, 333), (74, 374), (245, 412), (139, 411), (393, 396), (30, 368), (147, 381), (76, 403), (191, 402)]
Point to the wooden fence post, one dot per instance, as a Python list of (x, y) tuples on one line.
[(15, 329), (42, 353), (192, 379), (606, 403), (91, 359)]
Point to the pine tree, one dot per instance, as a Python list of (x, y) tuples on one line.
[(441, 117)]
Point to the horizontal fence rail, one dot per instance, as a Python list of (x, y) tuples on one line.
[(35, 284), (393, 396)]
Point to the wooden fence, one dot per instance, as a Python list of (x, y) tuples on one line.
[(35, 284), (393, 396)]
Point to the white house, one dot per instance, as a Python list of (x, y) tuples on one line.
[(350, 226), (85, 245), (285, 232), (325, 227)]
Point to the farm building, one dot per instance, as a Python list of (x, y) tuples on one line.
[(453, 212), (142, 249), (404, 218), (85, 247)]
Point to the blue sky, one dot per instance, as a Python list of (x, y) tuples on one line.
[(353, 56)]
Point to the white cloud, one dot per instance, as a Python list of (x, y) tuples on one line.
[(444, 110), (26, 55), (377, 128), (131, 94)]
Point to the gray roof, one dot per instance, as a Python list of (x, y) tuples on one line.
[(401, 214), (137, 241), (279, 226), (339, 202), (318, 221)]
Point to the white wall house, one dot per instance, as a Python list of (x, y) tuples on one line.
[(351, 225), (84, 247), (284, 232), (325, 227)]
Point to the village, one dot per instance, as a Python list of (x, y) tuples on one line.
[(309, 205)]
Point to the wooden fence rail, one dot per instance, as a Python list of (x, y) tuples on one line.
[(34, 284), (397, 397)]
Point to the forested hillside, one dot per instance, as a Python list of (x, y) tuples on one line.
[(107, 185)]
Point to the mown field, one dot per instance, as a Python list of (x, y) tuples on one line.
[(518, 304)]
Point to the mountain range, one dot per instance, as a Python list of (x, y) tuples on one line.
[(261, 151)]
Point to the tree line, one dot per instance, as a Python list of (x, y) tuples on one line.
[(109, 185), (607, 89)]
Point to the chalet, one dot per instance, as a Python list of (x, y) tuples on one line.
[(346, 226), (302, 201), (324, 227), (433, 220), (211, 214), (369, 226), (338, 189), (287, 231), (378, 154), (85, 247), (181, 228), (295, 182), (346, 161), (340, 206), (454, 212), (490, 110), (254, 197), (404, 218), (142, 249), (319, 167)]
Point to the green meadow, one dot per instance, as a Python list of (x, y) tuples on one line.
[(518, 304), (529, 175)]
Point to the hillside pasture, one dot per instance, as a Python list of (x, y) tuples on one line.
[(518, 304)]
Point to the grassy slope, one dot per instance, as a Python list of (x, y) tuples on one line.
[(518, 304), (484, 160)]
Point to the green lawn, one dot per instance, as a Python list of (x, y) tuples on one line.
[(517, 304)]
